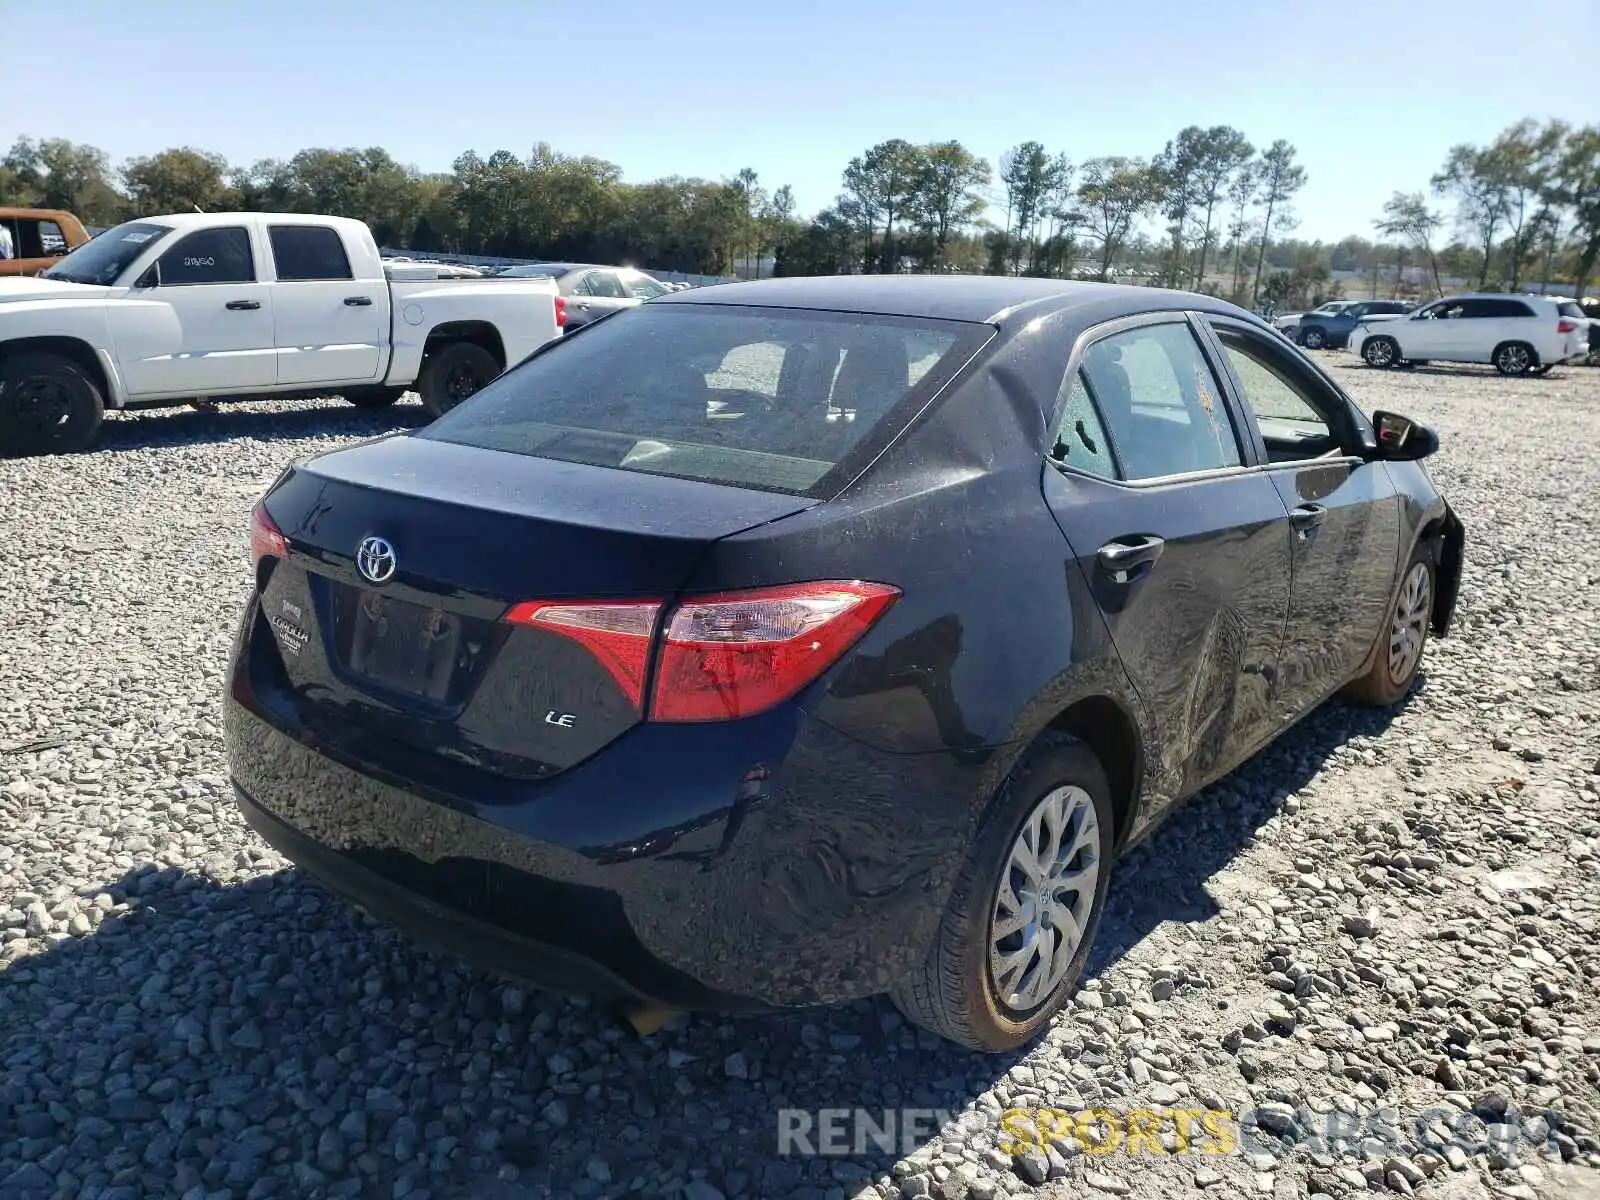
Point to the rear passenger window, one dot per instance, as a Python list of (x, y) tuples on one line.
[(219, 255), (1080, 440), (1161, 403), (306, 252)]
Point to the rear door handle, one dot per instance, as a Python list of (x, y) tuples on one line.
[(358, 301), (1131, 558), (242, 305), (1306, 518)]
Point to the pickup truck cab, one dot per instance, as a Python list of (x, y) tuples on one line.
[(235, 306), (37, 237)]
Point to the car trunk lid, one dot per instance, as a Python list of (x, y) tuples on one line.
[(424, 655)]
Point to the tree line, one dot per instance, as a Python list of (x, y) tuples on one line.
[(1210, 212)]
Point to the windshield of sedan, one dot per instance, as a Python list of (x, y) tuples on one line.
[(103, 259), (762, 398)]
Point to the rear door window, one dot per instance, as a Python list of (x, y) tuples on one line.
[(760, 398), (306, 252), (1161, 402)]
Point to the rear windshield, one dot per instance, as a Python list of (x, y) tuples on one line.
[(761, 398)]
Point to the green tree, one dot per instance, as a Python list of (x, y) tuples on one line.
[(882, 182), (947, 194), (56, 173), (1473, 180), (1575, 185), (1114, 193), (1281, 179), (1221, 154), (179, 180)]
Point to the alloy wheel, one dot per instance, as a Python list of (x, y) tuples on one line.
[(1045, 899), (1409, 629), (1313, 339), (1514, 360), (1379, 352)]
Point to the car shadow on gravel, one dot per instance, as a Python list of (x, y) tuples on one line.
[(224, 1028), (166, 427)]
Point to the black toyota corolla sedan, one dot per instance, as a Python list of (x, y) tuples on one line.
[(793, 641)]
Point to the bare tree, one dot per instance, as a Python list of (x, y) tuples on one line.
[(1407, 216)]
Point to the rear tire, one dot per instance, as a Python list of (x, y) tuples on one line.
[(956, 991), (48, 405), (452, 373), (374, 397), (1380, 352), (1404, 638), (1514, 358)]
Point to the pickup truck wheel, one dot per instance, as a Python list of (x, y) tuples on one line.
[(452, 373), (374, 397), (48, 405)]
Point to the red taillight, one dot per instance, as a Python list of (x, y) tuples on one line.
[(616, 634), (561, 312), (730, 655), (266, 539), (1566, 327), (740, 653)]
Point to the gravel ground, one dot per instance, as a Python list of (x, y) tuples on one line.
[(1375, 942)]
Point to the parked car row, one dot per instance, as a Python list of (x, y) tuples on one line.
[(1328, 326), (1517, 334)]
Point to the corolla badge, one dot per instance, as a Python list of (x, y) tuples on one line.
[(375, 560)]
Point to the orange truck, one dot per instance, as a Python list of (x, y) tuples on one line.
[(37, 238)]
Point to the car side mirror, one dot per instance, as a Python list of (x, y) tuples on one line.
[(1400, 439)]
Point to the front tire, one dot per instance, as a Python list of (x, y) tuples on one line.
[(1514, 358), (48, 405), (453, 373), (1313, 339), (1405, 637), (1380, 352), (1023, 914)]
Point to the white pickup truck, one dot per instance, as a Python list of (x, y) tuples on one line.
[(238, 306)]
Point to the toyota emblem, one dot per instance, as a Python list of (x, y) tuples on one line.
[(375, 560)]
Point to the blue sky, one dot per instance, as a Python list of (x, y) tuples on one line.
[(1372, 93)]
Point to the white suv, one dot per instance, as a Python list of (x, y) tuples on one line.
[(1520, 335)]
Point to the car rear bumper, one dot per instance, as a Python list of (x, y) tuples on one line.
[(769, 862)]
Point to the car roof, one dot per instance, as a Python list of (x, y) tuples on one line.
[(1503, 296), (985, 299)]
